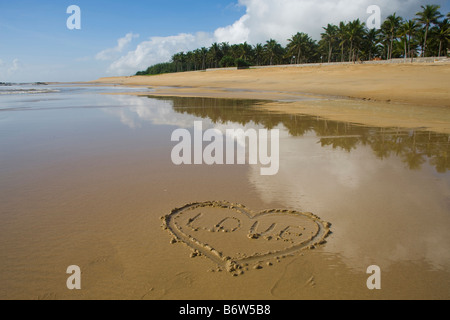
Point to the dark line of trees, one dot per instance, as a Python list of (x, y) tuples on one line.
[(426, 35)]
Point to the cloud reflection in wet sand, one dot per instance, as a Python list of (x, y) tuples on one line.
[(382, 211)]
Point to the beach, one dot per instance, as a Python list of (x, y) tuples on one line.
[(225, 157), (360, 183), (406, 95)]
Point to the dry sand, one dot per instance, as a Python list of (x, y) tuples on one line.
[(408, 96)]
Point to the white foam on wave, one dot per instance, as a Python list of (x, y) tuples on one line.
[(27, 91)]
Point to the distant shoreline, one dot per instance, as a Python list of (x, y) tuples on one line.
[(410, 95)]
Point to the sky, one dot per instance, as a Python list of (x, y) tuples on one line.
[(122, 37)]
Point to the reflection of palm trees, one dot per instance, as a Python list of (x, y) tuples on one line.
[(414, 160), (441, 162), (380, 145), (414, 149), (347, 144)]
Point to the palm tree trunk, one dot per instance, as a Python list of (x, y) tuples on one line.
[(440, 48), (391, 48), (425, 41), (409, 48), (406, 48), (330, 53), (351, 52)]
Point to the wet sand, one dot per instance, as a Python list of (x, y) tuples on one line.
[(408, 96), (86, 179)]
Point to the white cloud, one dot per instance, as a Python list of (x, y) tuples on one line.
[(111, 53), (238, 32), (14, 67), (9, 70), (158, 112), (157, 49), (280, 19), (359, 194), (264, 19)]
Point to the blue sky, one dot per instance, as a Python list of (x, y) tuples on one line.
[(34, 31), (35, 44)]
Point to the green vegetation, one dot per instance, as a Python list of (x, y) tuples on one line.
[(242, 64), (428, 35), (159, 69)]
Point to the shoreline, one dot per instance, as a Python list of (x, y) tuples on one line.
[(387, 95)]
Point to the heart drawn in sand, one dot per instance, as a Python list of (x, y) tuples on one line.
[(233, 236)]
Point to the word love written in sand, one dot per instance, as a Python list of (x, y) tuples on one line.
[(234, 237)]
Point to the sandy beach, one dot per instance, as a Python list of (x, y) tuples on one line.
[(96, 172), (404, 95), (214, 154), (360, 183)]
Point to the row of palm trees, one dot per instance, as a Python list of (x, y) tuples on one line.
[(426, 35)]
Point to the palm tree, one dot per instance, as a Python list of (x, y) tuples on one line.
[(245, 51), (429, 15), (215, 54), (343, 37), (390, 28), (371, 41), (179, 60), (196, 59), (273, 50), (299, 45), (258, 54), (203, 52), (330, 36), (355, 33), (190, 61), (225, 48), (442, 34), (236, 51), (409, 29)]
